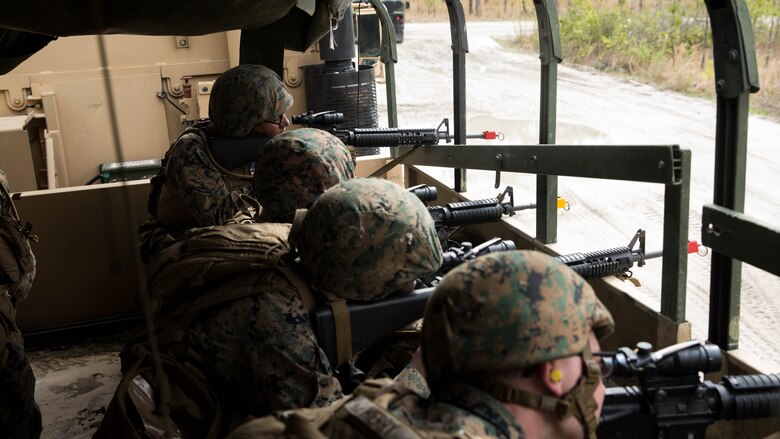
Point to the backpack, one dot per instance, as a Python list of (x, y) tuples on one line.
[(205, 256), (17, 261), (191, 408), (174, 379)]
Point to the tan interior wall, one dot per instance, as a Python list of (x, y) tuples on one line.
[(15, 156), (67, 86), (86, 263), (70, 74), (86, 251)]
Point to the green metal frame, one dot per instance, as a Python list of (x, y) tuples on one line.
[(663, 164), (736, 76), (739, 236), (388, 55), (460, 47), (551, 54)]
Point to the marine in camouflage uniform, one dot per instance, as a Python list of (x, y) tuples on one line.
[(247, 102), (295, 168), (492, 324), (19, 414), (361, 240)]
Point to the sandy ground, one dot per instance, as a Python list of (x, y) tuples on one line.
[(593, 108), (74, 385)]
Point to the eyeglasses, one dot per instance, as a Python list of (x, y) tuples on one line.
[(278, 122)]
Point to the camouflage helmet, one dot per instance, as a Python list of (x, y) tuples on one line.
[(296, 167), (366, 238), (505, 311), (244, 96)]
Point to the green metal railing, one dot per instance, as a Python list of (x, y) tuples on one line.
[(736, 76), (551, 54)]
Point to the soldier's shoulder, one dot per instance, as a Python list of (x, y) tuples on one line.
[(186, 146)]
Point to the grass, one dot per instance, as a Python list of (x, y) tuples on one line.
[(665, 43)]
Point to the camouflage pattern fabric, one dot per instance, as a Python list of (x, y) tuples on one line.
[(203, 187), (457, 410), (263, 348), (241, 98), (508, 310), (244, 96), (392, 411), (411, 379), (19, 414), (263, 351), (294, 168), (366, 238)]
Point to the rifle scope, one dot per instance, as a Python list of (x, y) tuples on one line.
[(323, 118), (682, 359), (672, 401), (455, 256)]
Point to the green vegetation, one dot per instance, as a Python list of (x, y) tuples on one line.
[(662, 42), (667, 44)]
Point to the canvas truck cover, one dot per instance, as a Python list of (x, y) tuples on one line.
[(306, 20)]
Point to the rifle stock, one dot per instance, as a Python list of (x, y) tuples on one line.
[(363, 137), (371, 321)]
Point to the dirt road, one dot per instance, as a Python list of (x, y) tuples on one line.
[(593, 108)]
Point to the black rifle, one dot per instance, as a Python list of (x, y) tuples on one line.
[(398, 311), (671, 401), (456, 255), (370, 322), (362, 137), (477, 211), (609, 262)]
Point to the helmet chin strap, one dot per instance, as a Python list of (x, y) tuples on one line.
[(577, 402)]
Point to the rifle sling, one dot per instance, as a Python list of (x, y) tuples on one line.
[(307, 297), (338, 306), (505, 393), (343, 327)]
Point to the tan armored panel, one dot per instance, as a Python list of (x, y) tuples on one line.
[(64, 88)]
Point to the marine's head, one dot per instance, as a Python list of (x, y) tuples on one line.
[(366, 238), (249, 98), (512, 312), (294, 168)]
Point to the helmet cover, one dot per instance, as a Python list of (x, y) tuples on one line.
[(366, 238), (294, 168), (244, 96), (508, 310)]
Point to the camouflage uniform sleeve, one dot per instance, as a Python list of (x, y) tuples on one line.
[(202, 186), (411, 379), (19, 414)]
